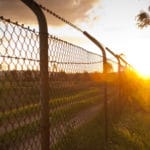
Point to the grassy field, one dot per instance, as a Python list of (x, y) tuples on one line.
[(76, 115), (128, 130), (20, 113)]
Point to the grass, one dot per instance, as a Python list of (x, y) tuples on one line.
[(129, 130), (80, 102), (54, 103), (67, 113), (90, 136), (18, 135), (129, 133)]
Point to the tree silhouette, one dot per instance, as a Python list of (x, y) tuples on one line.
[(143, 19)]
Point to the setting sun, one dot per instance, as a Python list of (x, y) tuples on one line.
[(144, 72), (140, 61)]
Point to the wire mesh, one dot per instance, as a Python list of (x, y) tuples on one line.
[(19, 86), (75, 96), (112, 78)]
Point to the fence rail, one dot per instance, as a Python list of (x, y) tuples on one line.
[(75, 89)]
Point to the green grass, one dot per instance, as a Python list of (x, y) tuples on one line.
[(66, 113), (53, 103), (60, 115), (90, 136), (19, 135), (129, 131)]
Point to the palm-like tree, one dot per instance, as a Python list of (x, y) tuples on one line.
[(143, 19)]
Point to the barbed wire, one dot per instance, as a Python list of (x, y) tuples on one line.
[(22, 47), (17, 24), (51, 38), (50, 35), (60, 18)]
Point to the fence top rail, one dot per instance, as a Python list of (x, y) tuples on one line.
[(49, 35), (17, 24), (79, 29)]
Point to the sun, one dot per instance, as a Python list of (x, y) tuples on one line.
[(142, 67), (143, 71), (140, 61)]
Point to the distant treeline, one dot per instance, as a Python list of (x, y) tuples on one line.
[(30, 75)]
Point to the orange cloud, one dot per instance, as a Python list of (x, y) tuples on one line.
[(72, 10)]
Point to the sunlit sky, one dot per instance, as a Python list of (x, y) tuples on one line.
[(117, 29), (112, 22)]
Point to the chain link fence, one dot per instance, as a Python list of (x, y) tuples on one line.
[(78, 88), (19, 86), (75, 90)]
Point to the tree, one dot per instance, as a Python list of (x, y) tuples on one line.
[(143, 19)]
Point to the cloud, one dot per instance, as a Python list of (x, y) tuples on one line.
[(72, 10)]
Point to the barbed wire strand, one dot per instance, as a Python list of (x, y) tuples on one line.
[(50, 36), (60, 18)]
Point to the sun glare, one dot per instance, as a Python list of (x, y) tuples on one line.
[(143, 71)]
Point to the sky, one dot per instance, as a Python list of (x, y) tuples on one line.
[(112, 22)]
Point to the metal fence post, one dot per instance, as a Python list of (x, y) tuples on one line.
[(105, 84), (119, 79), (118, 71), (116, 56), (44, 96)]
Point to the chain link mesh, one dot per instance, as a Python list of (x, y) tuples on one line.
[(75, 97), (19, 86)]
